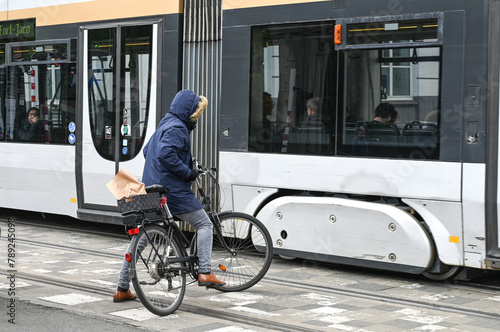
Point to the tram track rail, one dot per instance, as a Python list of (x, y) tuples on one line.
[(233, 317), (25, 222), (63, 247), (221, 314), (266, 279), (388, 299)]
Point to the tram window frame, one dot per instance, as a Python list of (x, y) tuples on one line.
[(46, 81), (3, 112), (413, 138), (129, 123), (274, 125)]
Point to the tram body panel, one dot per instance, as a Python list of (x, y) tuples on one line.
[(443, 219), (357, 230), (474, 210), (249, 199), (382, 177), (45, 178), (433, 189)]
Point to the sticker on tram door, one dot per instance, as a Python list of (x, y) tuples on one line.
[(124, 130), (71, 127), (107, 132)]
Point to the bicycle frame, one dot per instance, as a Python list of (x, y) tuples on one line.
[(206, 202)]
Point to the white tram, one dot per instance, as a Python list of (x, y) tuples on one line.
[(418, 193), (98, 75)]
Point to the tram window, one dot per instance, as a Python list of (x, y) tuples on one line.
[(40, 102), (406, 80), (134, 75), (3, 135), (291, 65)]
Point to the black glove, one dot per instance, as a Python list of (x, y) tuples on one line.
[(193, 175)]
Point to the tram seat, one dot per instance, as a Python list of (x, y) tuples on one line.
[(310, 127), (308, 138), (382, 132), (420, 132), (382, 139), (420, 139)]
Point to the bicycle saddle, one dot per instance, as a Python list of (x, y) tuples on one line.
[(156, 188)]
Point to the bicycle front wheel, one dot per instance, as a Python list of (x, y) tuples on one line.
[(242, 253), (159, 285)]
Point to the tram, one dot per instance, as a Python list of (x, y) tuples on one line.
[(418, 193), (294, 125), (99, 75)]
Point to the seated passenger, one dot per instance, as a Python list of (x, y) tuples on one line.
[(383, 124), (382, 132), (31, 129), (385, 113)]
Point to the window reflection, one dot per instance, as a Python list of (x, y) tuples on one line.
[(134, 77), (404, 81), (3, 129), (292, 67), (40, 102)]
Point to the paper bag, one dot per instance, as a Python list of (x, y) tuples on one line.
[(125, 185)]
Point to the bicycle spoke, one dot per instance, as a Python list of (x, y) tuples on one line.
[(160, 286), (248, 254)]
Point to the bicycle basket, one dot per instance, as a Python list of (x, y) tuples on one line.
[(146, 202)]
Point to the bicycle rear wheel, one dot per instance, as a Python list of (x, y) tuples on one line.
[(250, 251), (160, 286)]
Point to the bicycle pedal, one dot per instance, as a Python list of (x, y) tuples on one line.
[(213, 286)]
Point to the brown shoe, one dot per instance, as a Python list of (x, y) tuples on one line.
[(124, 296), (209, 280)]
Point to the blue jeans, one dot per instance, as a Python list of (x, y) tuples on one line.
[(200, 221)]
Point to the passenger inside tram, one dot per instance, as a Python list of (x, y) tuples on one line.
[(266, 133), (31, 128), (312, 127)]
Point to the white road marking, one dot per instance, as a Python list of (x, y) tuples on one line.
[(19, 284), (436, 297), (71, 299), (254, 311), (102, 282), (42, 271), (139, 314), (231, 329)]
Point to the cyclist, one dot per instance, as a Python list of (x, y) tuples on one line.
[(168, 162)]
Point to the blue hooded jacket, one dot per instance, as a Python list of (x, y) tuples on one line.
[(168, 154)]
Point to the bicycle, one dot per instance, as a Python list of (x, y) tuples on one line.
[(161, 256)]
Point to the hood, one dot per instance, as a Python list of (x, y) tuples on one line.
[(183, 106)]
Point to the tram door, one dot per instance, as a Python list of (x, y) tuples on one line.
[(118, 106)]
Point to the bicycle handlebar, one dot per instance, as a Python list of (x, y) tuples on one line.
[(202, 170)]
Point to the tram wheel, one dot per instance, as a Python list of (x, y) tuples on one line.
[(445, 272)]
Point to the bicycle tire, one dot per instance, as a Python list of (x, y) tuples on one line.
[(251, 252), (160, 288)]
